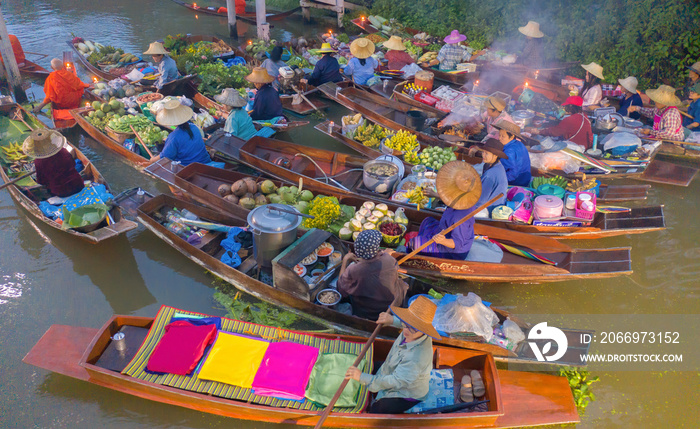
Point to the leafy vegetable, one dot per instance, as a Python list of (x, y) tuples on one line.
[(216, 76)]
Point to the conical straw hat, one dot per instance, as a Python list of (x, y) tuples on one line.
[(503, 124), (231, 97), (174, 113), (695, 67), (395, 44), (629, 83), (458, 185), (259, 75), (594, 69), (419, 315), (43, 143), (665, 95), (362, 48), (156, 48), (532, 29), (326, 49)]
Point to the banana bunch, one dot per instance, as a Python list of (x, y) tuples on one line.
[(403, 141), (416, 196), (411, 157), (556, 180), (582, 184), (13, 152), (369, 134), (352, 120), (427, 57)]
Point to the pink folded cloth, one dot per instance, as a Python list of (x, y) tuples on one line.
[(180, 348), (285, 370)]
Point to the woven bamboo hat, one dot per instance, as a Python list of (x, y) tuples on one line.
[(231, 97), (362, 48), (695, 67), (156, 48), (326, 49), (458, 185), (594, 68), (174, 113), (629, 83), (532, 29), (665, 95), (508, 126), (496, 103), (259, 75), (394, 43), (43, 143), (494, 146), (419, 315)]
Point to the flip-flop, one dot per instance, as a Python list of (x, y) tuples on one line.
[(465, 391), (478, 383)]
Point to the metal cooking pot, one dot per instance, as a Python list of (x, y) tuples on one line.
[(272, 231), (614, 120), (522, 117)]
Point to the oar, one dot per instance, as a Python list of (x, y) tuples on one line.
[(362, 354), (13, 181), (150, 155), (294, 87), (18, 115), (450, 228)]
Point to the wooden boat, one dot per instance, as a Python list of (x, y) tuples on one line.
[(97, 71), (62, 118), (516, 399), (34, 70), (31, 194), (678, 151), (249, 17), (388, 113), (399, 95), (456, 78)]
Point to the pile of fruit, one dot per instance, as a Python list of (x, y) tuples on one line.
[(220, 47), (391, 229), (98, 54), (402, 141), (259, 46), (370, 134), (435, 157), (413, 50), (104, 90), (583, 184), (14, 152), (556, 180), (417, 197), (428, 57), (369, 216), (104, 112), (351, 119)]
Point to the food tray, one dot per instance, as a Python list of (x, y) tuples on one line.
[(446, 93), (149, 96)]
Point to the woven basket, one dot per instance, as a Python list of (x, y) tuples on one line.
[(120, 137)]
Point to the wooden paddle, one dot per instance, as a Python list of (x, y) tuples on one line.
[(141, 141), (18, 115), (294, 87), (13, 181), (362, 354), (450, 228)]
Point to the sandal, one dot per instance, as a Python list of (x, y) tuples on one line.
[(479, 389), (465, 391)]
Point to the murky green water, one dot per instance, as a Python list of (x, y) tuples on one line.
[(48, 278)]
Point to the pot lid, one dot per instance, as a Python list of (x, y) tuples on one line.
[(267, 219)]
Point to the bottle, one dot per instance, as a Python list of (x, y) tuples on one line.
[(196, 237), (188, 215), (176, 227)]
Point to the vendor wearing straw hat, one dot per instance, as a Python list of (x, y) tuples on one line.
[(327, 68), (167, 68), (362, 66), (517, 164), (397, 56), (495, 111), (54, 165), (632, 97), (238, 122), (693, 122), (668, 123), (494, 180), (267, 103), (693, 78), (592, 91), (403, 379), (459, 187), (452, 53), (533, 53), (576, 127), (369, 277), (185, 144)]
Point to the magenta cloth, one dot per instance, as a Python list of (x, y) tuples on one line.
[(181, 348), (285, 370)]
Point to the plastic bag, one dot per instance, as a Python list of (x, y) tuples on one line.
[(462, 113), (618, 139), (554, 161), (465, 314), (512, 331), (410, 70)]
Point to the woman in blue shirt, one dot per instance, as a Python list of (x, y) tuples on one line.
[(494, 179), (327, 68), (517, 163), (362, 66), (693, 108), (167, 68), (274, 64), (185, 144), (238, 122), (632, 98), (267, 103)]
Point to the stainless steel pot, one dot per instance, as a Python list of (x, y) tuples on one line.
[(615, 120), (522, 117), (273, 231)]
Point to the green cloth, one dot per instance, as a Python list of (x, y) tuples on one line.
[(326, 376), (84, 215)]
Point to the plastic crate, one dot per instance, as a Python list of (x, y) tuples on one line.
[(583, 214)]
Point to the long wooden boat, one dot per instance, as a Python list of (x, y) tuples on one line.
[(457, 78), (34, 70), (516, 399), (398, 95), (249, 17), (31, 195)]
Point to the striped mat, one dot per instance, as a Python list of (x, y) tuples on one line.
[(137, 366)]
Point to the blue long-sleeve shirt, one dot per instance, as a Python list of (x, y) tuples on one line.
[(240, 124), (518, 163), (168, 71), (267, 104), (635, 100), (494, 181), (327, 70), (180, 147), (694, 111), (361, 73)]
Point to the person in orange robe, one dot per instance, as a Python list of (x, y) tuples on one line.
[(17, 50), (240, 8), (62, 88)]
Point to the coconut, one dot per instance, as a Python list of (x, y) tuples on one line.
[(267, 187), (345, 234), (378, 213), (373, 219), (231, 198), (282, 189), (247, 203), (365, 212), (294, 190), (250, 183), (289, 197), (355, 225), (359, 217), (382, 208), (239, 188), (260, 200), (275, 199), (390, 214), (369, 225), (224, 189), (355, 234), (346, 225), (302, 206), (306, 195), (369, 205)]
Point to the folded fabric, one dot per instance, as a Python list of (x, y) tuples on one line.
[(440, 391), (198, 320), (285, 370), (95, 194), (234, 360), (326, 377), (180, 348), (265, 132), (51, 211)]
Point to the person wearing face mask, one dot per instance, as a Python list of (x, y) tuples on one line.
[(517, 163)]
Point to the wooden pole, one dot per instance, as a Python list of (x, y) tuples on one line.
[(231, 8), (261, 21), (14, 79)]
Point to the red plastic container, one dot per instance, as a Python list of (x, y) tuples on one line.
[(426, 98), (584, 214)]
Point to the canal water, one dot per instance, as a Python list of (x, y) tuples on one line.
[(49, 278)]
